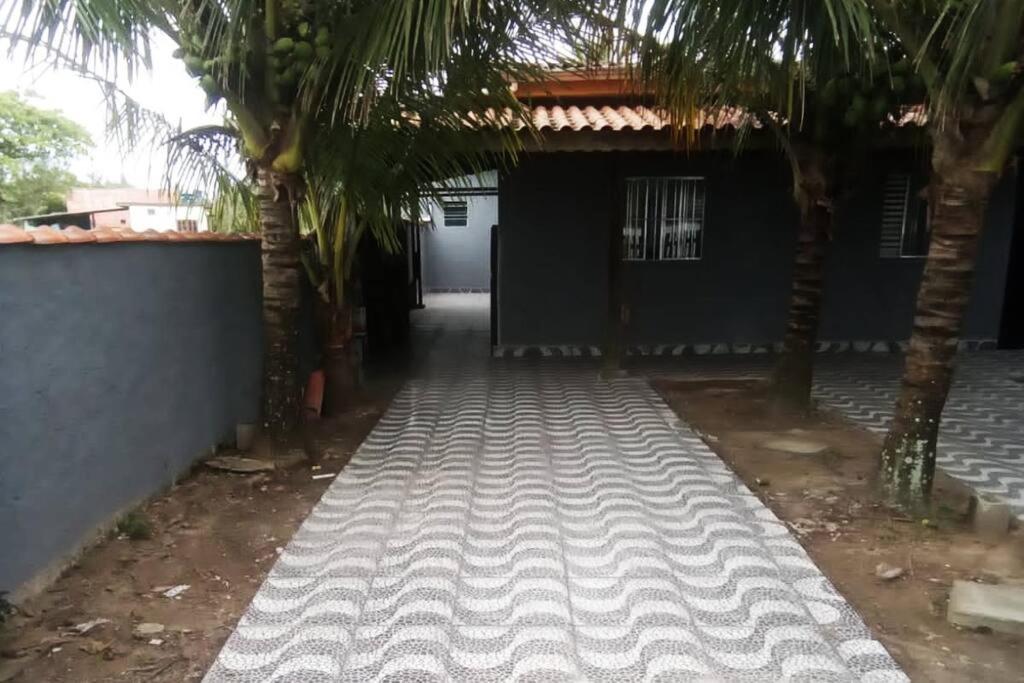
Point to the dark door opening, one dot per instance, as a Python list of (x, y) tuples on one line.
[(1011, 329)]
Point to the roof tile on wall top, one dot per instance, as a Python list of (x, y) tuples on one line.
[(45, 234)]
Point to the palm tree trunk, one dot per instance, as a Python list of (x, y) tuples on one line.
[(795, 368), (958, 199), (339, 363), (282, 389)]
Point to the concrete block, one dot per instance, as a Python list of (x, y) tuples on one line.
[(990, 517), (245, 436), (978, 605)]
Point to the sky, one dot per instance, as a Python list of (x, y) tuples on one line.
[(167, 88)]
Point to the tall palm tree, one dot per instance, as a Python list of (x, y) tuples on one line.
[(286, 71), (804, 69), (970, 54)]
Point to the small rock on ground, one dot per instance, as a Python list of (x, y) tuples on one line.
[(888, 572), (147, 629), (796, 446)]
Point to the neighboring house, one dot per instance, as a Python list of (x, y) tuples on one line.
[(709, 235), (163, 216), (456, 245), (138, 209)]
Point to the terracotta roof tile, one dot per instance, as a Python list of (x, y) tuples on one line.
[(45, 234), (48, 235), (635, 118), (638, 118), (78, 235), (11, 234), (106, 235)]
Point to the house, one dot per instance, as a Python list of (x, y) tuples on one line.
[(138, 209), (709, 235)]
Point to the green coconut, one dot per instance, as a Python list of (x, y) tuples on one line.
[(303, 50), (194, 65), (323, 36), (179, 53), (283, 46), (303, 29), (285, 78), (208, 84), (1004, 72), (323, 52)]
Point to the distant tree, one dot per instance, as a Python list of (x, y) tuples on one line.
[(36, 146)]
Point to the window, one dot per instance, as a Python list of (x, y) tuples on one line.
[(150, 212), (664, 219), (188, 225), (456, 213), (905, 232)]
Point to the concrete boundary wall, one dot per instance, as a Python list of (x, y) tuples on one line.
[(121, 362)]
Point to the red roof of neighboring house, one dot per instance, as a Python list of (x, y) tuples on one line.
[(85, 199)]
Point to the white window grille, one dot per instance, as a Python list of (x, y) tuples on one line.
[(456, 213), (664, 219), (905, 229)]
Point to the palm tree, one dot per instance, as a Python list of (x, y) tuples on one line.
[(970, 54), (364, 179), (287, 71), (804, 70)]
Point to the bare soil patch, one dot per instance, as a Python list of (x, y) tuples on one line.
[(216, 532), (827, 500)]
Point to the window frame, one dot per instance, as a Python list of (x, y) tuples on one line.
[(444, 213), (913, 208), (700, 182)]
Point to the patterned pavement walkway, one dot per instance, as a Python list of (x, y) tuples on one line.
[(509, 520), (981, 437)]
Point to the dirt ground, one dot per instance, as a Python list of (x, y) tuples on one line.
[(827, 500), (217, 532)]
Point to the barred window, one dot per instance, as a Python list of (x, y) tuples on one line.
[(187, 225), (664, 219), (456, 213), (905, 229)]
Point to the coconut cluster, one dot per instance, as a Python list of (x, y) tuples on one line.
[(292, 55), (863, 102), (210, 70), (287, 60)]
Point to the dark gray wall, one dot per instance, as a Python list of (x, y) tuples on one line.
[(868, 297), (460, 257), (121, 363), (554, 213)]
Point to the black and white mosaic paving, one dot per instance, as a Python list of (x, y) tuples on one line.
[(528, 521), (981, 436)]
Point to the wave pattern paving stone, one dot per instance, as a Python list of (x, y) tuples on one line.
[(981, 438), (510, 521)]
